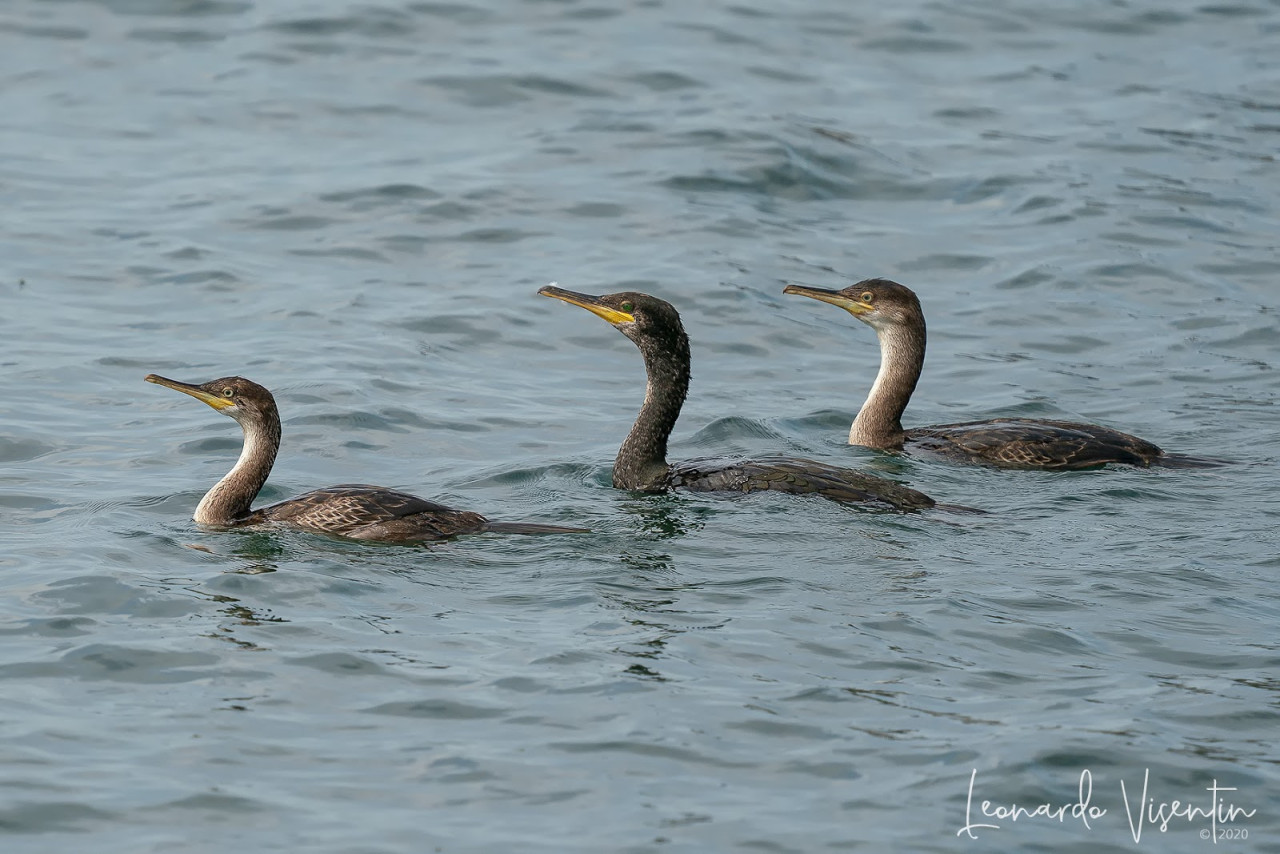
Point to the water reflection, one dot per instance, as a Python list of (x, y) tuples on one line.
[(259, 551), (666, 516)]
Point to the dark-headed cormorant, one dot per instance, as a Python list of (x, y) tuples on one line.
[(654, 326)]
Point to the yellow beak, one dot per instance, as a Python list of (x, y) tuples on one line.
[(590, 303), (216, 401), (855, 307)]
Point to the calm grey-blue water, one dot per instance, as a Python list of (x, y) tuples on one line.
[(354, 204)]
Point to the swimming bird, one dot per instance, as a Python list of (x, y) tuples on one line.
[(353, 510), (654, 326), (894, 312)]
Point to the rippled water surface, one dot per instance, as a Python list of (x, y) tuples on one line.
[(355, 203)]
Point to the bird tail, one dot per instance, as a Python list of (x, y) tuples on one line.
[(531, 528), (1181, 461)]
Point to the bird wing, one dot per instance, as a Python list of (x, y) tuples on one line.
[(1031, 443), (371, 512), (796, 476)]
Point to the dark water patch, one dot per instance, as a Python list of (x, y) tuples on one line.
[(165, 8), (349, 252), (495, 235), (16, 450), (1243, 267), (1202, 140), (1181, 223), (435, 709), (428, 423), (195, 277), (374, 22), (1036, 203), (120, 234), (461, 13), (1069, 344), (1246, 103), (179, 36), (1121, 22), (592, 13), (412, 244), (948, 262), (916, 44), (646, 751), (291, 222), (720, 35), (798, 173), (219, 804), (1187, 196), (663, 81), (1135, 239), (1032, 278), (212, 446), (504, 91), (592, 210), (371, 111), (188, 253), (782, 75), (473, 329), (774, 729), (36, 817), (741, 348), (604, 121), (985, 114), (341, 664), (112, 663), (1232, 10), (45, 31), (450, 211), (1132, 272), (1114, 147), (348, 422), (373, 198)]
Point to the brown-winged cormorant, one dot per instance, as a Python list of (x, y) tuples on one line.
[(353, 510), (893, 311)]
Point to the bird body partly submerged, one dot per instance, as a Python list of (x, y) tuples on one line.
[(655, 328), (365, 512), (794, 475), (894, 312), (354, 510), (1033, 443)]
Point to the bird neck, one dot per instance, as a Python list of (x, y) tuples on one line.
[(879, 422), (229, 500), (642, 459)]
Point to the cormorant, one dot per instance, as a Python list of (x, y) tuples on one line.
[(654, 326), (353, 510), (893, 311)]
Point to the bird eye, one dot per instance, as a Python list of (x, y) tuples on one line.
[(228, 392), (867, 296), (628, 307)]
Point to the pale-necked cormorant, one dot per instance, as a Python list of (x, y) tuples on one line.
[(893, 311), (654, 326), (353, 510)]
